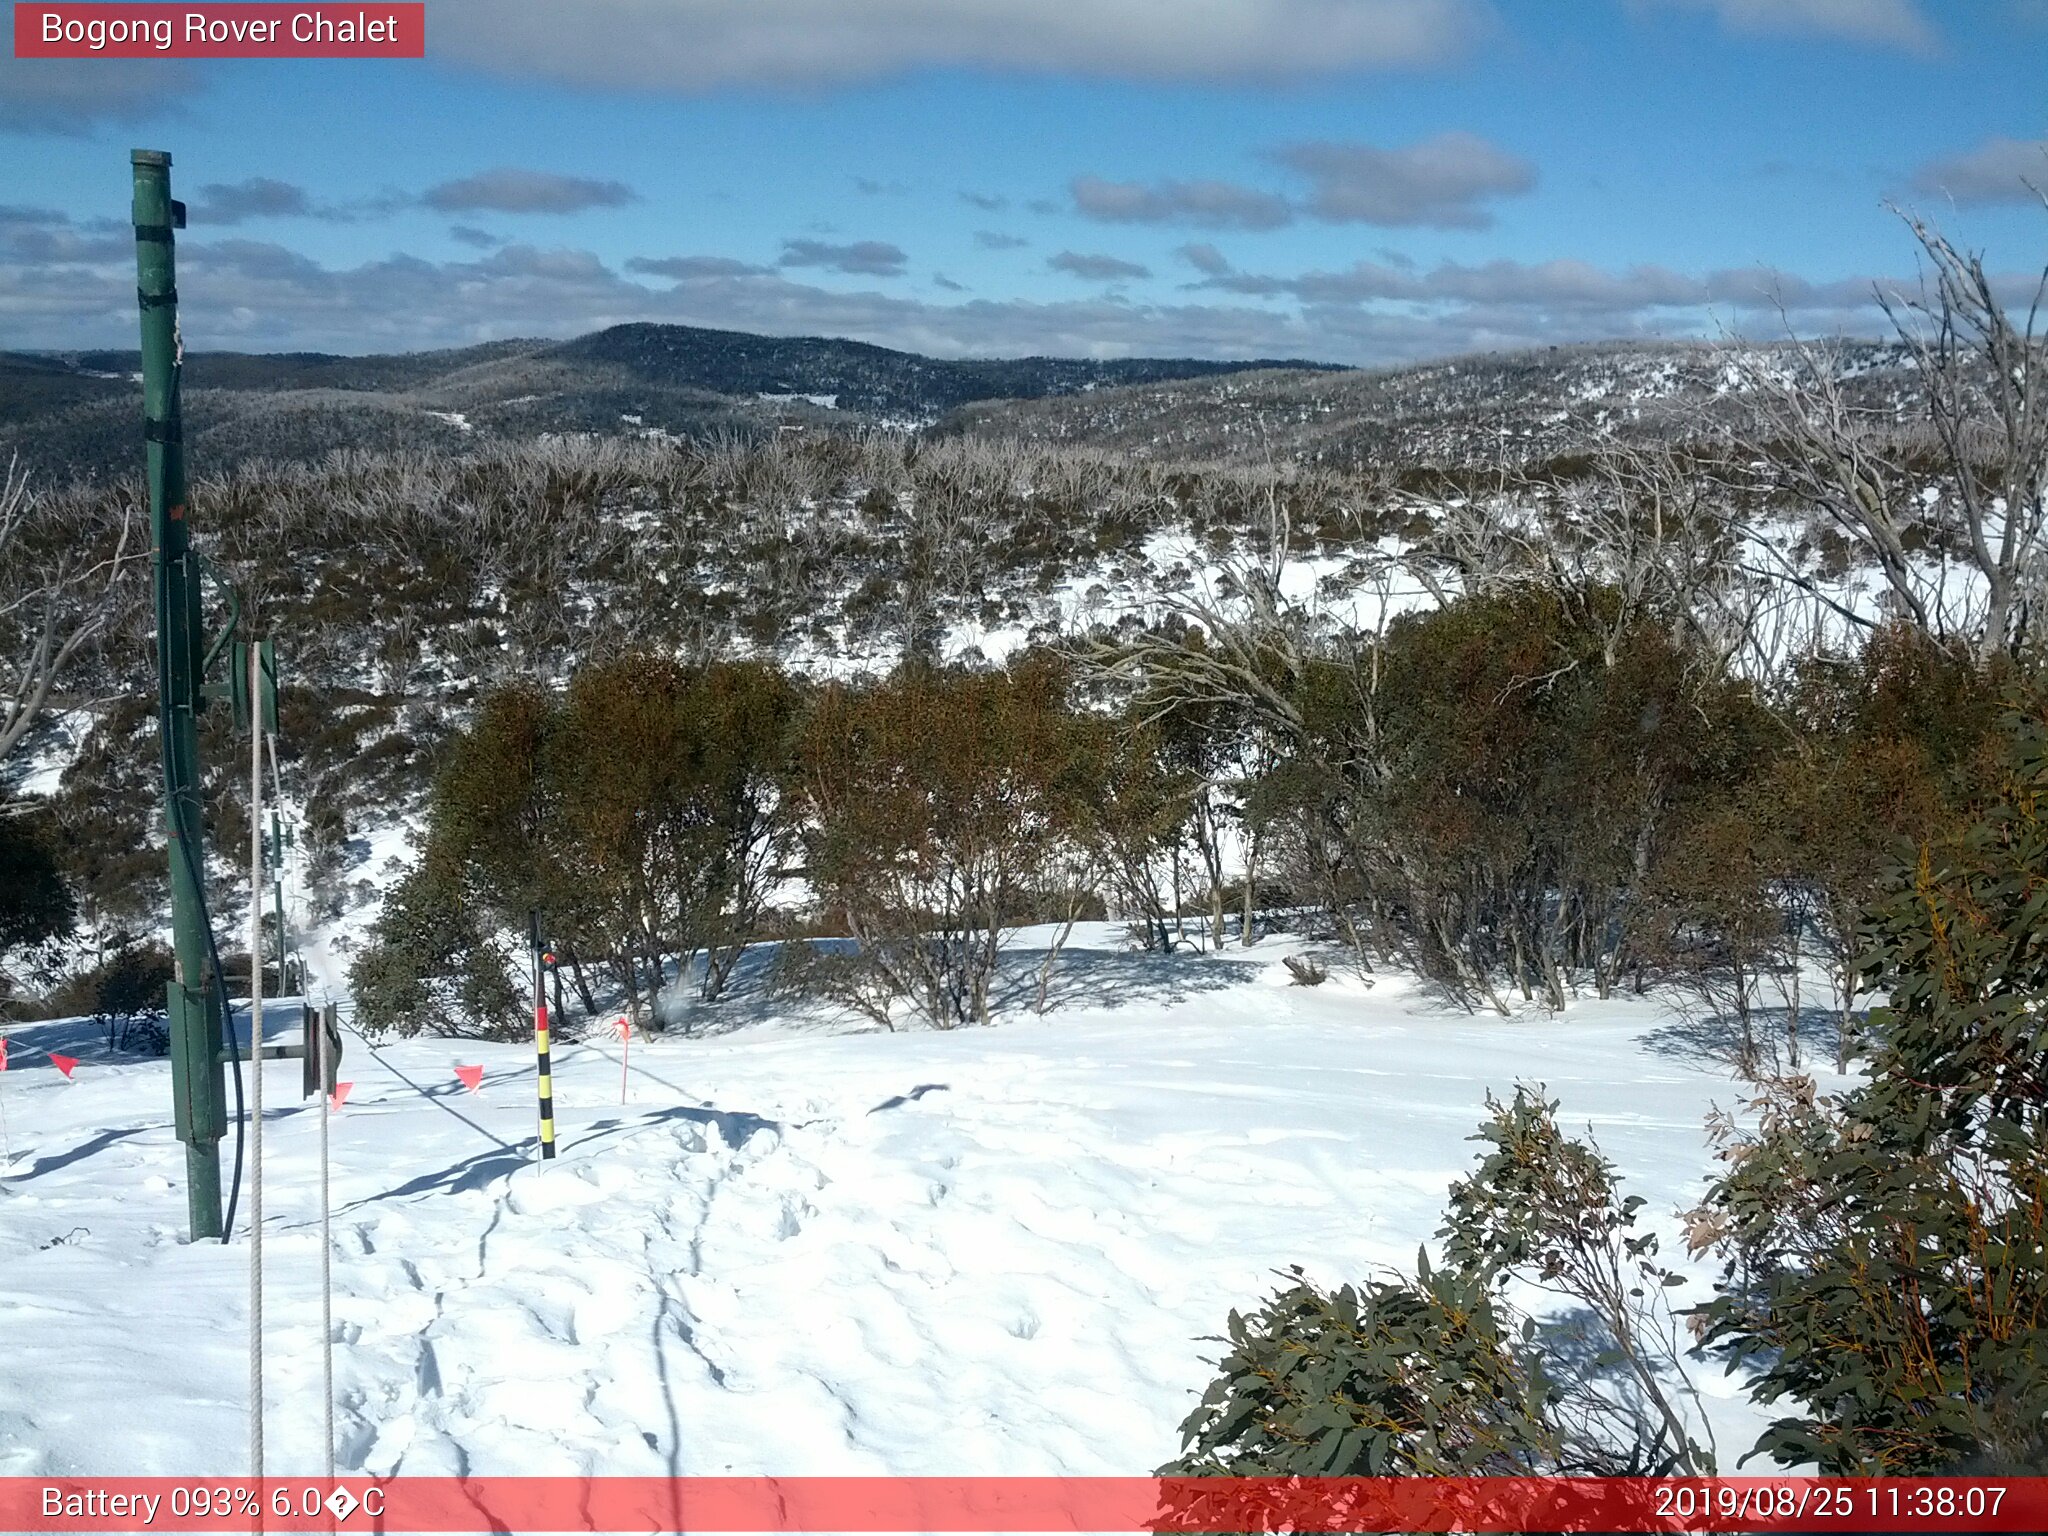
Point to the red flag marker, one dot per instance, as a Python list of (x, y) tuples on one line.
[(3, 1053), (472, 1077), (625, 1031), (63, 1064), (341, 1093)]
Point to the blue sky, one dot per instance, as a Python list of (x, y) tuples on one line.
[(1363, 181)]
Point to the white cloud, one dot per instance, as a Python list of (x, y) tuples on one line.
[(256, 198), (690, 269), (698, 45), (1896, 24), (866, 258), (1560, 288), (60, 286), (75, 96), (1437, 183), (1204, 204), (1999, 170), (1094, 268), (509, 189)]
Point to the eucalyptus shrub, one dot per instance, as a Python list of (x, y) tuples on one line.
[(1439, 1375), (1887, 1248)]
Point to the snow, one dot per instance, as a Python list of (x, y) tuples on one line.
[(42, 769), (800, 1247), (377, 860)]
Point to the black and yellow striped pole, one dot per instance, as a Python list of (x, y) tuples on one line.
[(540, 1039)]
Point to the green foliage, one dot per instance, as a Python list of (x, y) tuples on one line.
[(128, 995), (1885, 1248), (1134, 818), (35, 904), (432, 967), (935, 804), (1493, 779), (136, 980), (1393, 1377), (1436, 1374), (642, 814), (1548, 1209)]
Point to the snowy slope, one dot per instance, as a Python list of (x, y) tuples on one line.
[(793, 1251)]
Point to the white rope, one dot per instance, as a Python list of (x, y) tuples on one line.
[(326, 1253), (277, 798), (256, 1058), (318, 1046)]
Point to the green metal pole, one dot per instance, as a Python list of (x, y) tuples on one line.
[(198, 1091)]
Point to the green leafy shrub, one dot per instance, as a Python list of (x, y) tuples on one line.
[(1396, 1376), (128, 994), (430, 967), (1438, 1375), (1886, 1263)]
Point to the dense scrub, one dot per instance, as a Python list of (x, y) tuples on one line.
[(1885, 1273)]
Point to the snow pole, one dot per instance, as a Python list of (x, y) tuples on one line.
[(625, 1052), (323, 1080), (540, 1038)]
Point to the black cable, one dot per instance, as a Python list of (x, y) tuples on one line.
[(195, 854), (189, 834), (227, 1024)]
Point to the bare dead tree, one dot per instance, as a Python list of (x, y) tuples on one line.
[(60, 595), (1978, 373)]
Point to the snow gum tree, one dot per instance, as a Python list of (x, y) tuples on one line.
[(936, 805), (1887, 1270), (643, 812)]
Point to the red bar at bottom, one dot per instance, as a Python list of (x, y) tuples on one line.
[(1006, 1504)]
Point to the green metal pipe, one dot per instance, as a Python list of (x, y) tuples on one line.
[(197, 1086)]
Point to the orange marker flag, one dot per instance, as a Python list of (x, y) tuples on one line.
[(472, 1077), (341, 1093)]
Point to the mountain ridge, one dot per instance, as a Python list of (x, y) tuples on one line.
[(72, 415)]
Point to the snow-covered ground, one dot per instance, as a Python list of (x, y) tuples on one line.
[(796, 1248)]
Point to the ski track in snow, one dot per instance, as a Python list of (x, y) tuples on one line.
[(996, 1251)]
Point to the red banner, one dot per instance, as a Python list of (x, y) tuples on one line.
[(218, 31), (1006, 1504)]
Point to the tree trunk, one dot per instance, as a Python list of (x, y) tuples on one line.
[(1245, 934), (1846, 1027), (1792, 1020), (1521, 966)]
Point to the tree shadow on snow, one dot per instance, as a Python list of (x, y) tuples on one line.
[(50, 1162), (1579, 1352), (1099, 978), (84, 1038), (472, 1173), (1081, 978), (734, 1127), (1715, 1039)]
